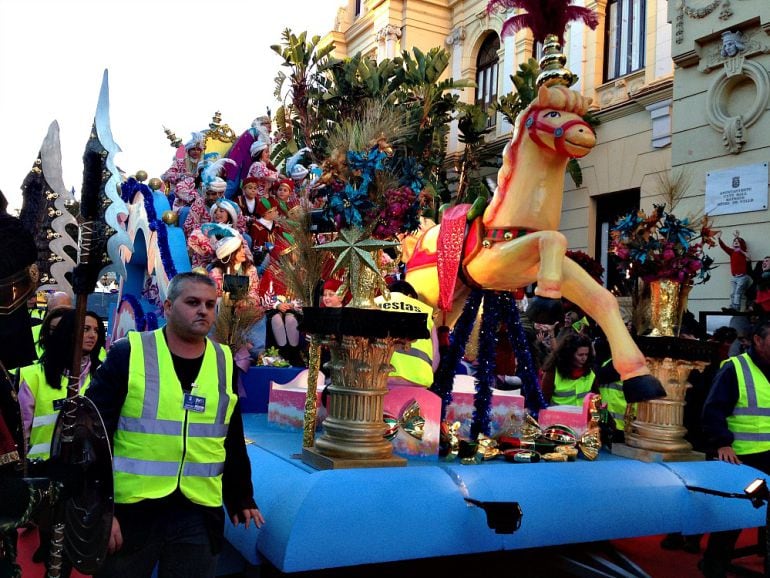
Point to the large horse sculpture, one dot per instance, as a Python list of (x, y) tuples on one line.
[(516, 241)]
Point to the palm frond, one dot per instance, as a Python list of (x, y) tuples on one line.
[(303, 267)]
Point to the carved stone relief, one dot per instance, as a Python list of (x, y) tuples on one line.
[(388, 32), (456, 36), (739, 46), (731, 55), (733, 128), (698, 9)]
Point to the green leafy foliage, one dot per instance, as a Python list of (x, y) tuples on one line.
[(326, 92)]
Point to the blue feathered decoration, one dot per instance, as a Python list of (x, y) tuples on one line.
[(292, 161)]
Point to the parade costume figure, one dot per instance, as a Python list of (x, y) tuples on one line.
[(567, 374), (265, 231), (168, 401), (200, 208), (331, 294), (187, 165), (261, 168), (18, 279), (283, 312), (737, 427), (287, 200), (740, 267), (247, 200), (240, 153), (233, 259), (297, 172), (223, 216), (185, 196)]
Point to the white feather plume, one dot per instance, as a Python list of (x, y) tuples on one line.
[(211, 171)]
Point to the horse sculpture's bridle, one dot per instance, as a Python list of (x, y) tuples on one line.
[(533, 125)]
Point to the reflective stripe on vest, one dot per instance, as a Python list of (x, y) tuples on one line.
[(414, 364), (36, 338), (44, 418), (187, 446), (571, 391), (612, 395), (750, 421)]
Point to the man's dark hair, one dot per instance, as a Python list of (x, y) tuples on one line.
[(761, 328), (180, 279)]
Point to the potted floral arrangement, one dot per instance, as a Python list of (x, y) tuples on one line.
[(664, 254)]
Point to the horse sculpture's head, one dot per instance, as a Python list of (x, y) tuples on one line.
[(554, 121)]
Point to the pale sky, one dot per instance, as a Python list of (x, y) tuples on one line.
[(170, 62)]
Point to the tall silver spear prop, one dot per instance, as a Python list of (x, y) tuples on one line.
[(80, 451)]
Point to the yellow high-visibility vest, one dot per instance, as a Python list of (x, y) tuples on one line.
[(416, 363), (750, 421), (47, 404), (571, 391), (612, 395), (159, 445)]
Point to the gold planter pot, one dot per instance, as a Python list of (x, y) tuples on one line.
[(666, 305)]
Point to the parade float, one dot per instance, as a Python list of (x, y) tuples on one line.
[(477, 500), (322, 484)]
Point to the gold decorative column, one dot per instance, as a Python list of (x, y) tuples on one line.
[(354, 428), (657, 432), (361, 342)]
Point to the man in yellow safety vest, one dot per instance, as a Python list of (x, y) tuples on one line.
[(736, 422), (168, 402)]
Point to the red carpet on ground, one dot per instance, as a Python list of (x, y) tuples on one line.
[(659, 563), (28, 542)]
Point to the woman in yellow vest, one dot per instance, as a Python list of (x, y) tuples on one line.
[(43, 388), (567, 372), (43, 385)]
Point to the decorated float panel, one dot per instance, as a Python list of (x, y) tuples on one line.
[(158, 252)]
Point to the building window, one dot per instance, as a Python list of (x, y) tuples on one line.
[(487, 67), (357, 12), (609, 208), (625, 37), (537, 50)]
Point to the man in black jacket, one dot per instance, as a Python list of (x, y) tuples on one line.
[(168, 402), (737, 427)]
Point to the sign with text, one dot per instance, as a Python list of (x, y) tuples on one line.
[(736, 190)]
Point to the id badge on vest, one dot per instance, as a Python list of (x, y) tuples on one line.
[(194, 403)]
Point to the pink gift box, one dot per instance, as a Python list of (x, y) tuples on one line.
[(573, 416), (396, 401), (286, 409), (286, 405), (504, 404)]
